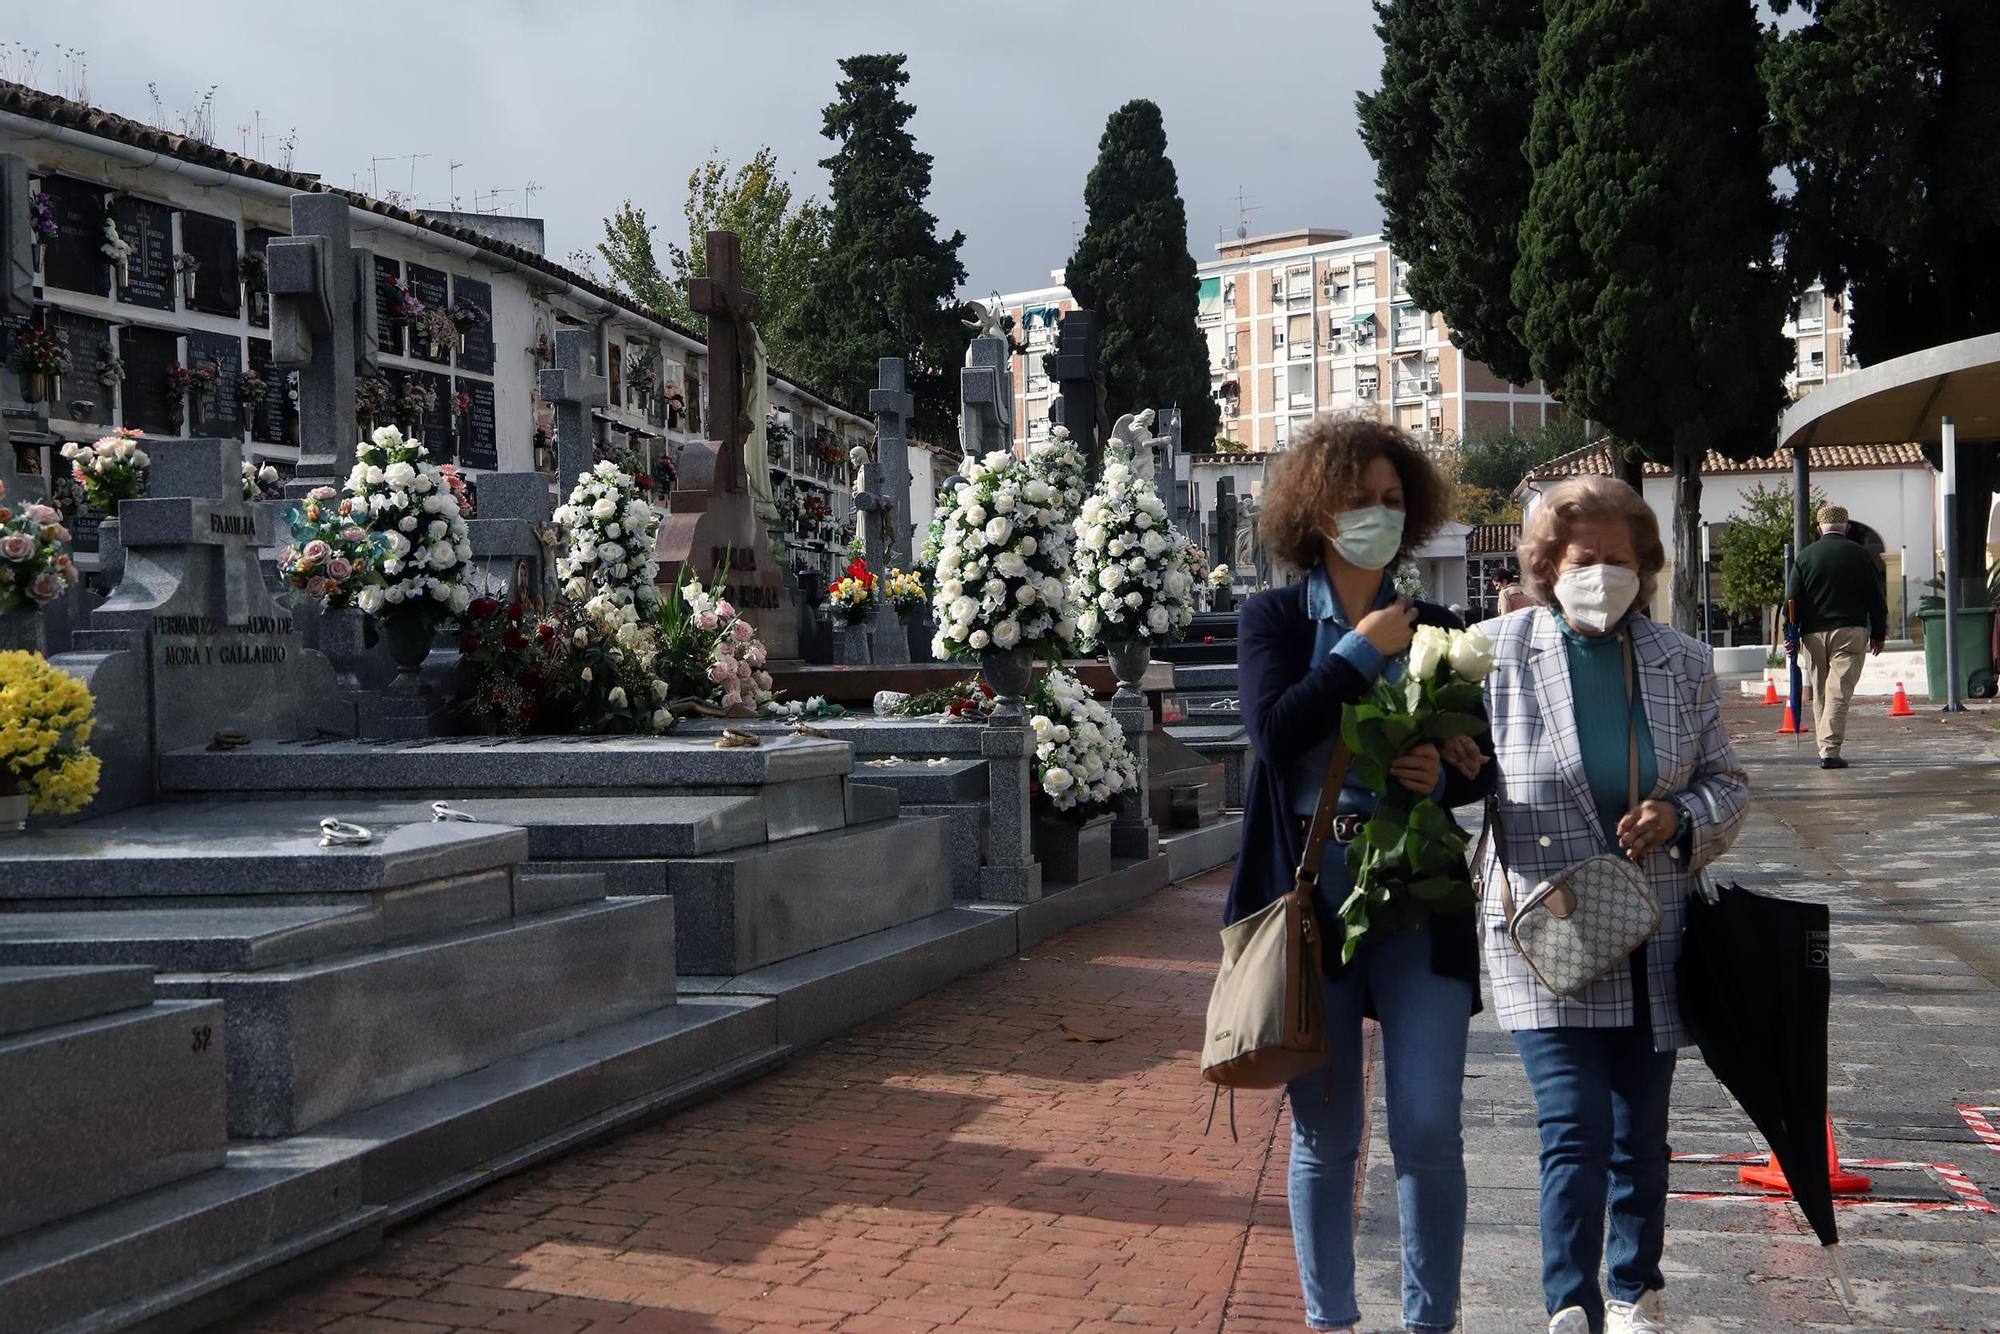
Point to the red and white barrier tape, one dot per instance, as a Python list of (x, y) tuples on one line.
[(1976, 1118), (1968, 1197)]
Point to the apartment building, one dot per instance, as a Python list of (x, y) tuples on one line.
[(1304, 322)]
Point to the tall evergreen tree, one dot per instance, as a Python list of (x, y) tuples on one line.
[(1649, 293), (1448, 130), (1889, 121), (888, 284), (1132, 267)]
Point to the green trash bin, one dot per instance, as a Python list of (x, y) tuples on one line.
[(1975, 653)]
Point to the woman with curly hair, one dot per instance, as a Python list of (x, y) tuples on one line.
[(1349, 499)]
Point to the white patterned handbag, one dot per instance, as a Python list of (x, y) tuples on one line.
[(1579, 924)]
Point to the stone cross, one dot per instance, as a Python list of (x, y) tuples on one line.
[(883, 503), (1080, 383), (574, 391), (986, 398), (730, 308), (1225, 521), (323, 326)]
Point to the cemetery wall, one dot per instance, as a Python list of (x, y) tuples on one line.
[(171, 196)]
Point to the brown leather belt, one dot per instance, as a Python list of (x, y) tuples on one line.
[(1346, 828)]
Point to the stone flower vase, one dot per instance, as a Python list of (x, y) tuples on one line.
[(850, 643), (1009, 671), (1070, 850), (1129, 661), (343, 638), (409, 636)]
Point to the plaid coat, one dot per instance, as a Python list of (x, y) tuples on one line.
[(1549, 820)]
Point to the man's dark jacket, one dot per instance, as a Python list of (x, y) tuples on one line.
[(1291, 704), (1838, 583)]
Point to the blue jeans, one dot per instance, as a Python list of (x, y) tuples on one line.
[(1424, 1020), (1601, 1096)]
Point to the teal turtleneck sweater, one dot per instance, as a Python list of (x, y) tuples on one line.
[(1604, 718)]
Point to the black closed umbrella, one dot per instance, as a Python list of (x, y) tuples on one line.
[(1754, 990)]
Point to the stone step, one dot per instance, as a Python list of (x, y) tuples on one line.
[(869, 736), (503, 766), (243, 852), (101, 1108), (932, 782), (182, 940), (310, 1042), (870, 802), (1206, 676), (1190, 852), (42, 997)]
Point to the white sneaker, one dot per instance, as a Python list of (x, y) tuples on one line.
[(1569, 1320), (1648, 1315)]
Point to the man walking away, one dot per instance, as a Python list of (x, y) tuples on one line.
[(1842, 608)]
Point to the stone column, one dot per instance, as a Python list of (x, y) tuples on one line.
[(1010, 873), (1133, 833)]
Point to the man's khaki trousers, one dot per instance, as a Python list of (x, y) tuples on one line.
[(1836, 657)]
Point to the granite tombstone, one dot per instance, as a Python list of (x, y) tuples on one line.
[(320, 326), (573, 389)]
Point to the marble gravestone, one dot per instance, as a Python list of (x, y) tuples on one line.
[(573, 389), (322, 326), (508, 555), (713, 528), (191, 646), (884, 502), (986, 398)]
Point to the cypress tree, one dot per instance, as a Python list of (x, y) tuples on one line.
[(1649, 294), (1447, 130), (1132, 267), (888, 284)]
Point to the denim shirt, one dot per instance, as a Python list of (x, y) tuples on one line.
[(1335, 636)]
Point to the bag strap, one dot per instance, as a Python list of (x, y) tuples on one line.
[(1306, 878), (1632, 726)]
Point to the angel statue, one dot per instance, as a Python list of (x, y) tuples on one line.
[(991, 320), (1133, 440)]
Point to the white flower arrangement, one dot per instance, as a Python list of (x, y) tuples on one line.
[(1130, 579), (117, 249), (611, 531), (260, 481), (1059, 464), (1000, 562), (627, 648), (1219, 577), (1081, 759), (395, 491)]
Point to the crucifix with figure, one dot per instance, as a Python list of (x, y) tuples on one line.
[(713, 529)]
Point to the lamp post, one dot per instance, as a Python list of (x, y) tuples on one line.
[(1948, 445), (1705, 633), (1903, 572)]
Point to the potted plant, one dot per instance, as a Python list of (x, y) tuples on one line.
[(35, 570), (612, 531), (906, 594), (1081, 765), (849, 601), (1129, 581), (40, 359), (45, 762), (117, 251), (187, 266), (111, 469), (251, 395), (255, 272)]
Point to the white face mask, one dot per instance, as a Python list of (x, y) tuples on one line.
[(1368, 539), (1596, 597)]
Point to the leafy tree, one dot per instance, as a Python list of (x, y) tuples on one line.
[(1888, 120), (1447, 130), (1133, 268), (888, 284), (1751, 551), (1649, 298), (782, 242), (1497, 458)]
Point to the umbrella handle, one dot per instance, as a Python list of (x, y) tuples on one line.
[(1840, 1271)]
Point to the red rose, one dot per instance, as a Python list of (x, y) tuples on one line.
[(987, 690), (515, 611), (514, 638), (545, 633), (483, 607), (468, 642), (1208, 639)]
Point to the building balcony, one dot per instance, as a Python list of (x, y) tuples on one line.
[(1301, 351)]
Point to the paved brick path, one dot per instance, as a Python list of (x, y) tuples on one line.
[(966, 1163)]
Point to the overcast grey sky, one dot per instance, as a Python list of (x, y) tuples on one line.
[(595, 102)]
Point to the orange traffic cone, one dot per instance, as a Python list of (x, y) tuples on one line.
[(1772, 1177), (1899, 707), (1790, 724), (1771, 692)]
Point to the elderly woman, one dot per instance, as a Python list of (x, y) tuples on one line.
[(1567, 716), (1347, 501)]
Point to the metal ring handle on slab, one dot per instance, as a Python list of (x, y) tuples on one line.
[(340, 834), (442, 812)]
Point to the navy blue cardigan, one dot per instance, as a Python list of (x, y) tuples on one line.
[(1290, 704)]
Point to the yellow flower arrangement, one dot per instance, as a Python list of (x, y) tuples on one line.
[(45, 722), (905, 591)]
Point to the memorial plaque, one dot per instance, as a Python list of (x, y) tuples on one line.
[(478, 353), (388, 334), (218, 287), (433, 288), (268, 426), (85, 337), (255, 242), (72, 258), (220, 415), (149, 229), (478, 433), (435, 431), (147, 353), (84, 521)]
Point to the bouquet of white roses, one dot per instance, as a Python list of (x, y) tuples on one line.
[(1409, 860), (1081, 759), (622, 687), (396, 491), (1059, 463), (261, 481), (1000, 562), (1130, 579), (611, 530)]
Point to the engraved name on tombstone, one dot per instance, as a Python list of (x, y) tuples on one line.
[(431, 287), (478, 351), (221, 414), (149, 229)]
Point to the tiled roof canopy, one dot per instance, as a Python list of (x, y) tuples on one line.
[(1493, 539), (21, 100), (1596, 460)]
